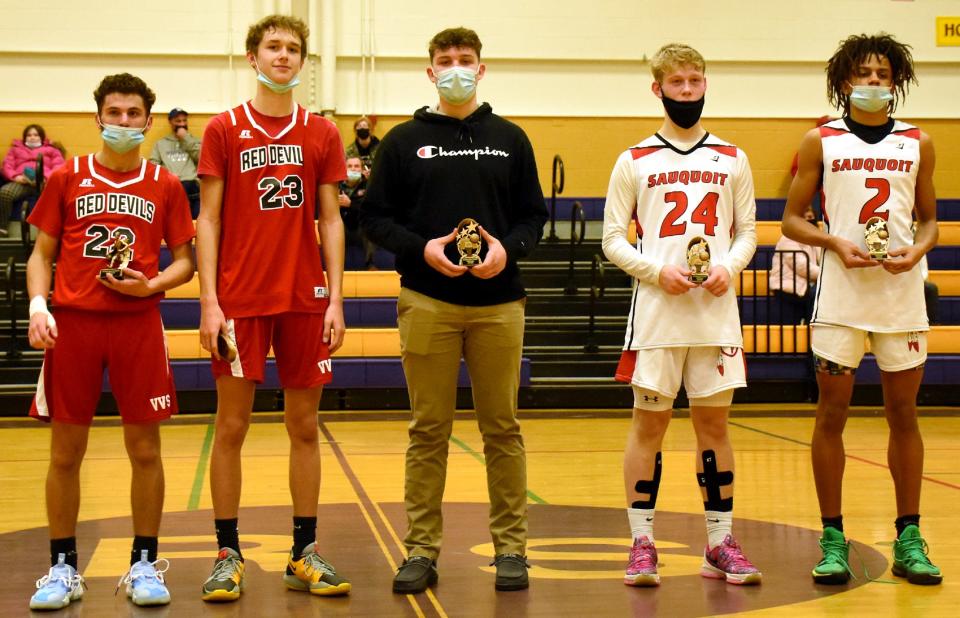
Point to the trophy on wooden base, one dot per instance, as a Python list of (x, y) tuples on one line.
[(118, 256), (877, 237), (698, 259), (468, 242)]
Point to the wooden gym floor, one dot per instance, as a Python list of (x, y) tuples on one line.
[(578, 530)]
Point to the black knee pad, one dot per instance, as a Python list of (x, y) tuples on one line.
[(649, 487), (713, 480)]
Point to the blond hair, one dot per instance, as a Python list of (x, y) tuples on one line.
[(673, 56)]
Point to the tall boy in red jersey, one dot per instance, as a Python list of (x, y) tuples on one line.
[(88, 205), (263, 165)]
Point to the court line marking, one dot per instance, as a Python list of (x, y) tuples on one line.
[(847, 455), (366, 505), (479, 457), (194, 502)]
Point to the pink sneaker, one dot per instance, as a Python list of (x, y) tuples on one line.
[(642, 569), (726, 561)]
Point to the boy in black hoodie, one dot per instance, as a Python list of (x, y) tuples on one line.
[(453, 161)]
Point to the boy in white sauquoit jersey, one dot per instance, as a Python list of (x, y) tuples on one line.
[(677, 185), (263, 166), (872, 166)]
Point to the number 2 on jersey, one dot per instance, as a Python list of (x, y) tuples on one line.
[(271, 199), (705, 214), (101, 238), (871, 208)]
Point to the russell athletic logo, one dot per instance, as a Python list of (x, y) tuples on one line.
[(430, 152)]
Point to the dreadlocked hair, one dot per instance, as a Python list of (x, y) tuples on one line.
[(853, 51)]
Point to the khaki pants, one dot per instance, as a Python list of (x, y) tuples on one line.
[(434, 335)]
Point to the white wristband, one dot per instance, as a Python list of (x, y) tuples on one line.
[(38, 304)]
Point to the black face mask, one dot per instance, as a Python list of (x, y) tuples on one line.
[(363, 133), (684, 114)]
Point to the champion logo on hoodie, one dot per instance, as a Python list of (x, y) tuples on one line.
[(429, 152)]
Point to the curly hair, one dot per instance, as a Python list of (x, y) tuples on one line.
[(124, 83), (288, 23), (857, 48), (454, 37)]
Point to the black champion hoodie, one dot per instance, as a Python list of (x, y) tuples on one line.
[(435, 170)]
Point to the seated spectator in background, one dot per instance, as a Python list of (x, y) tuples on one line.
[(20, 168), (365, 145), (793, 277), (179, 152), (352, 192)]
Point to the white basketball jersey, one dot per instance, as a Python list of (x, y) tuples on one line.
[(675, 196), (861, 181)]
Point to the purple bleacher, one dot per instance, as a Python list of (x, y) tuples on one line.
[(768, 209), (765, 310), (353, 259), (939, 258), (185, 312), (192, 375), (939, 369)]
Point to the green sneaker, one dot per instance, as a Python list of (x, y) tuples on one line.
[(834, 568), (910, 559)]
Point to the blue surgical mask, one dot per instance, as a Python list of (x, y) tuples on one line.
[(457, 85), (274, 86), (121, 139), (871, 98), (353, 175)]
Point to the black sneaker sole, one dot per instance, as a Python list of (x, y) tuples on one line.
[(832, 580), (921, 579), (511, 586)]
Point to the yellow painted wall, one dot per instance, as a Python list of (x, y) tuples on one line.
[(589, 146)]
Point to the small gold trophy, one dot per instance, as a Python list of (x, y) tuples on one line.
[(468, 242), (877, 238), (698, 259), (118, 256)]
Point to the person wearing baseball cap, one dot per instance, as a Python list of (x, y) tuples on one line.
[(179, 152)]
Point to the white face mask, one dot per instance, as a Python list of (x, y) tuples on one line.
[(871, 98), (275, 86), (33, 142), (121, 139), (457, 85)]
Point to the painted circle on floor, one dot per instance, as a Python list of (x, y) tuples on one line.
[(577, 556)]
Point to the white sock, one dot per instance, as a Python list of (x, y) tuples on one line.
[(719, 525), (641, 523)]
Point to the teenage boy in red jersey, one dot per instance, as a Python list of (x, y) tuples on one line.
[(88, 205), (263, 165)]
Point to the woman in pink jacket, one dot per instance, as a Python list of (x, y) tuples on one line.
[(19, 168), (794, 271)]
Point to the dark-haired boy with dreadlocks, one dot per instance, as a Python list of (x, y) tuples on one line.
[(870, 165)]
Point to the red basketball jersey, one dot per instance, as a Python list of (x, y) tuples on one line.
[(269, 259), (85, 203)]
